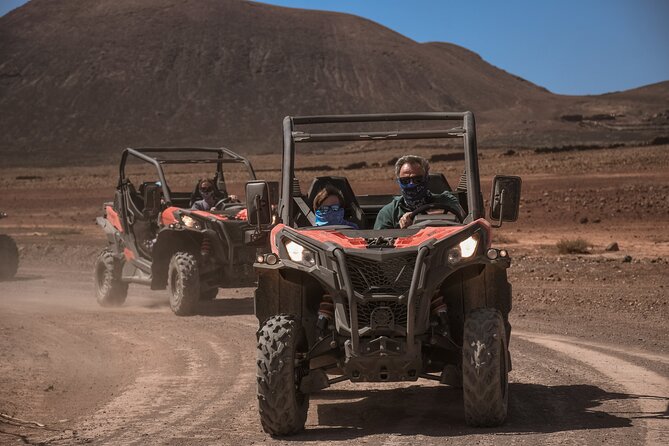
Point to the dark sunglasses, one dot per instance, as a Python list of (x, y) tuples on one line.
[(418, 179), (205, 189), (334, 208)]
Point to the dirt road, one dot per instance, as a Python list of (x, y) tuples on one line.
[(590, 343), (140, 375)]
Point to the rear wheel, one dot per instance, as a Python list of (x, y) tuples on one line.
[(110, 290), (485, 368), (9, 257), (281, 365), (184, 283)]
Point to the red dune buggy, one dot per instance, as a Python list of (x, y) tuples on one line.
[(340, 304), (156, 239)]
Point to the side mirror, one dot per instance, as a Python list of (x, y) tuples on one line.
[(258, 203), (505, 199)]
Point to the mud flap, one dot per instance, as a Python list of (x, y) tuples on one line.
[(477, 287), (288, 292)]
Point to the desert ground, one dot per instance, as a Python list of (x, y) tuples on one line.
[(590, 339)]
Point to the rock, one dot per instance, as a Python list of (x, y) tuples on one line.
[(597, 220), (613, 247), (583, 220), (627, 259)]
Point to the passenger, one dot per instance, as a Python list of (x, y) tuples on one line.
[(412, 176), (329, 207), (208, 193)]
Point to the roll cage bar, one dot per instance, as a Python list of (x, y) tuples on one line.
[(466, 131), (222, 156)]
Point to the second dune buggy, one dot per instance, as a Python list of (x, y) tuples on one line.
[(156, 239)]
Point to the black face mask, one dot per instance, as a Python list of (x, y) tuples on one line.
[(415, 195), (208, 196)]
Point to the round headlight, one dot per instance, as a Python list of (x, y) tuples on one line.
[(492, 253), (454, 256), (271, 259)]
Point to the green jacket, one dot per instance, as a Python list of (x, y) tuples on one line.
[(390, 214)]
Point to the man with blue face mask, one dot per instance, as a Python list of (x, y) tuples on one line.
[(329, 208), (412, 176)]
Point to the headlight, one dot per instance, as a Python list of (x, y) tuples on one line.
[(190, 222), (300, 254), (464, 250), (468, 246)]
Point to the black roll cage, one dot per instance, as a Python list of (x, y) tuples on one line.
[(223, 156), (467, 131)]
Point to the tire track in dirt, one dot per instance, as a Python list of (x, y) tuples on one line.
[(650, 389), (188, 386), (232, 380)]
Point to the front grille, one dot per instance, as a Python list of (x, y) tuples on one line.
[(382, 314), (392, 276)]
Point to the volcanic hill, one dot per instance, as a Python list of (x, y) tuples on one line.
[(81, 79)]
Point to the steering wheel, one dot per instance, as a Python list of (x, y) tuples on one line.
[(226, 202), (447, 208)]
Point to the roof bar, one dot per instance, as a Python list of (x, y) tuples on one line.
[(457, 132)]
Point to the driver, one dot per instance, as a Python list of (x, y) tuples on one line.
[(411, 172), (207, 192)]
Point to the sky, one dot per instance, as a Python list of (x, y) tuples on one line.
[(574, 47)]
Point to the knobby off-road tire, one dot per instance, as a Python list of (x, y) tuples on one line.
[(9, 257), (485, 368), (283, 408), (110, 291), (209, 294), (183, 282)]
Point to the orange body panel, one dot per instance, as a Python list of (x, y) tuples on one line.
[(437, 233), (167, 217), (209, 214), (113, 218), (129, 255)]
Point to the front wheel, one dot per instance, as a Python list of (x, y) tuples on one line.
[(281, 365), (485, 368), (110, 290), (9, 257), (183, 281)]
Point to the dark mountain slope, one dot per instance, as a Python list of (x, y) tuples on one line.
[(80, 79)]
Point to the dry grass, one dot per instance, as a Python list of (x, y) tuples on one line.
[(574, 246)]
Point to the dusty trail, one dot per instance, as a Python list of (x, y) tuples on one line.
[(140, 375)]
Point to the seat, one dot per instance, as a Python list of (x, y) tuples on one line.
[(437, 183), (353, 212)]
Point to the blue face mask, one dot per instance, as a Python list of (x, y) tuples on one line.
[(415, 195), (329, 217)]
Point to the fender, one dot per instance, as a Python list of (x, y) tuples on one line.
[(114, 237)]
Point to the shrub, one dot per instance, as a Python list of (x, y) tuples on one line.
[(576, 246)]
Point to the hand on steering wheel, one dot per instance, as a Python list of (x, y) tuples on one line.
[(446, 207)]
